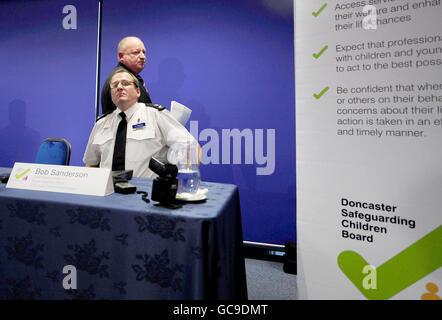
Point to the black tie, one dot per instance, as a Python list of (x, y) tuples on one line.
[(120, 145)]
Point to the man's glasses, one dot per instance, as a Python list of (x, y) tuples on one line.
[(124, 83)]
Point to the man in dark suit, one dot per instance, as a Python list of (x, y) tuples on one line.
[(132, 57)]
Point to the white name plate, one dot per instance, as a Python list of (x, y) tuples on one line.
[(67, 179)]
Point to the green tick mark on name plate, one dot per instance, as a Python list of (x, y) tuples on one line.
[(401, 271), (18, 176)]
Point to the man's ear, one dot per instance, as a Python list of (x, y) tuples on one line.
[(120, 56), (138, 92)]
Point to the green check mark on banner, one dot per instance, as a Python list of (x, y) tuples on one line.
[(18, 176), (317, 13), (318, 96), (401, 271), (317, 55)]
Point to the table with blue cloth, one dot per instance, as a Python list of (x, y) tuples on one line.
[(120, 246)]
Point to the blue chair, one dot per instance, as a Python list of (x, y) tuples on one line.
[(54, 151)]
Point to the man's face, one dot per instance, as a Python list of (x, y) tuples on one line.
[(124, 93), (134, 55)]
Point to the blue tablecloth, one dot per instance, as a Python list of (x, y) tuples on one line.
[(121, 247)]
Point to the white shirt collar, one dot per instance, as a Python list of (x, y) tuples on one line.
[(130, 111)]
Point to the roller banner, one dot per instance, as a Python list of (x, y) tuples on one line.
[(369, 149)]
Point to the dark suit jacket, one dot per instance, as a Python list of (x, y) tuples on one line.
[(106, 101)]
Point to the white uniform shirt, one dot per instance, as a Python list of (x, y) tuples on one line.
[(160, 131)]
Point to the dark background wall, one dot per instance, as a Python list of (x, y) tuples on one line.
[(231, 62)]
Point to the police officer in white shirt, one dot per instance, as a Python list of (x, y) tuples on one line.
[(150, 131)]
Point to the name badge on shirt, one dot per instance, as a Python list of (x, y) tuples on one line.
[(139, 126)]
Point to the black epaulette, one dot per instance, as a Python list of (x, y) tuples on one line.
[(103, 115), (155, 106)]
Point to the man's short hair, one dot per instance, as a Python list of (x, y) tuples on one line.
[(120, 70)]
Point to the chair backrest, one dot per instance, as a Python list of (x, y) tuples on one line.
[(54, 151)]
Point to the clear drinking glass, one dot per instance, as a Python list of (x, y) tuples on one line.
[(186, 155)]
